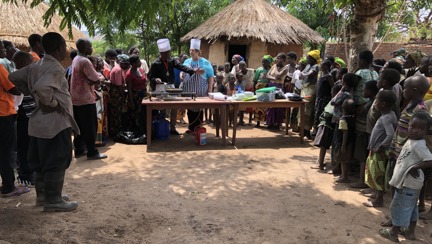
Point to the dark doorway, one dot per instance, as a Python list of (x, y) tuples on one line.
[(236, 49)]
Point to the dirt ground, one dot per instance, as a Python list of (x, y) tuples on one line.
[(261, 191)]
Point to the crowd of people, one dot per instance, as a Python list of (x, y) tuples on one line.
[(376, 120)]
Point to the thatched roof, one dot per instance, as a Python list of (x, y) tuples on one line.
[(20, 21), (256, 19)]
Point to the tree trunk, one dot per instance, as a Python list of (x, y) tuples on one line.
[(363, 27)]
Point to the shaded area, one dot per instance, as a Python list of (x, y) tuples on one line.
[(232, 196)]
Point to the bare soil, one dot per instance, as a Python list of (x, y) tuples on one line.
[(261, 191)]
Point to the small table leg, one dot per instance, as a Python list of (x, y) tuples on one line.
[(235, 117), (222, 120), (216, 118), (149, 124), (287, 116)]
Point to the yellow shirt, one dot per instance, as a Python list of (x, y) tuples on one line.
[(428, 95)]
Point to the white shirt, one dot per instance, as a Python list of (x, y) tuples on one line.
[(296, 79), (413, 152)]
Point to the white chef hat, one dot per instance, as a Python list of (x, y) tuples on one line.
[(195, 44), (163, 45)]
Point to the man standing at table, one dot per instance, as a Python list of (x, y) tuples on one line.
[(162, 71)]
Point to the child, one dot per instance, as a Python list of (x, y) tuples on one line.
[(248, 76), (324, 136), (340, 73), (325, 82), (415, 88), (408, 179), (381, 137), (240, 85), (231, 90), (362, 135), (344, 141), (414, 91), (220, 68), (227, 72), (218, 85), (297, 90), (349, 83)]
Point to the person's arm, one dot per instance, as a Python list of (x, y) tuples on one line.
[(210, 83), (6, 83), (91, 74), (20, 79), (44, 91), (311, 73), (129, 88), (330, 80), (423, 153), (389, 130), (152, 76), (176, 64)]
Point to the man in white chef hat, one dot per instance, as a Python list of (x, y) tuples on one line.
[(200, 84), (162, 71)]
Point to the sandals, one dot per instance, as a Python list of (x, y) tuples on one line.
[(16, 192), (386, 234)]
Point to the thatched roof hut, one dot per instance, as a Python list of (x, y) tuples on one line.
[(252, 28), (20, 21)]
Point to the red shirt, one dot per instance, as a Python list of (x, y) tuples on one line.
[(138, 83)]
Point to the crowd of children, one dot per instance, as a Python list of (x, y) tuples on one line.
[(379, 122)]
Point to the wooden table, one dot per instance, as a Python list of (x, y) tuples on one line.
[(198, 103), (282, 103)]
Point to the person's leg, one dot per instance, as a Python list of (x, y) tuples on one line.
[(173, 118), (55, 155), (25, 174), (241, 115), (79, 145), (195, 118), (89, 128), (345, 172), (7, 135)]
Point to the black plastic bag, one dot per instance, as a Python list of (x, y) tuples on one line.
[(129, 137)]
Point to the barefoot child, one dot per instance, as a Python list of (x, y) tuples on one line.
[(362, 135), (324, 136), (408, 179), (380, 139), (344, 142)]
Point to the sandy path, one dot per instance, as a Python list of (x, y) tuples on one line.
[(263, 191)]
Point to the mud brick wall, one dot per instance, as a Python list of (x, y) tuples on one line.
[(384, 51)]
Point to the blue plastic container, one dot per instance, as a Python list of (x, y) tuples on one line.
[(161, 128)]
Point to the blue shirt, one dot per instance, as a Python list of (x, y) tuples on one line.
[(203, 64)]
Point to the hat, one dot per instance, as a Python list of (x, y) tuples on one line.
[(122, 58), (268, 58), (399, 52), (195, 44), (303, 61), (340, 62), (315, 54), (163, 45)]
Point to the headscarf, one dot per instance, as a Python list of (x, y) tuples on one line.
[(303, 61), (340, 61), (316, 55), (238, 57), (122, 58), (416, 56), (399, 52), (268, 58)]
